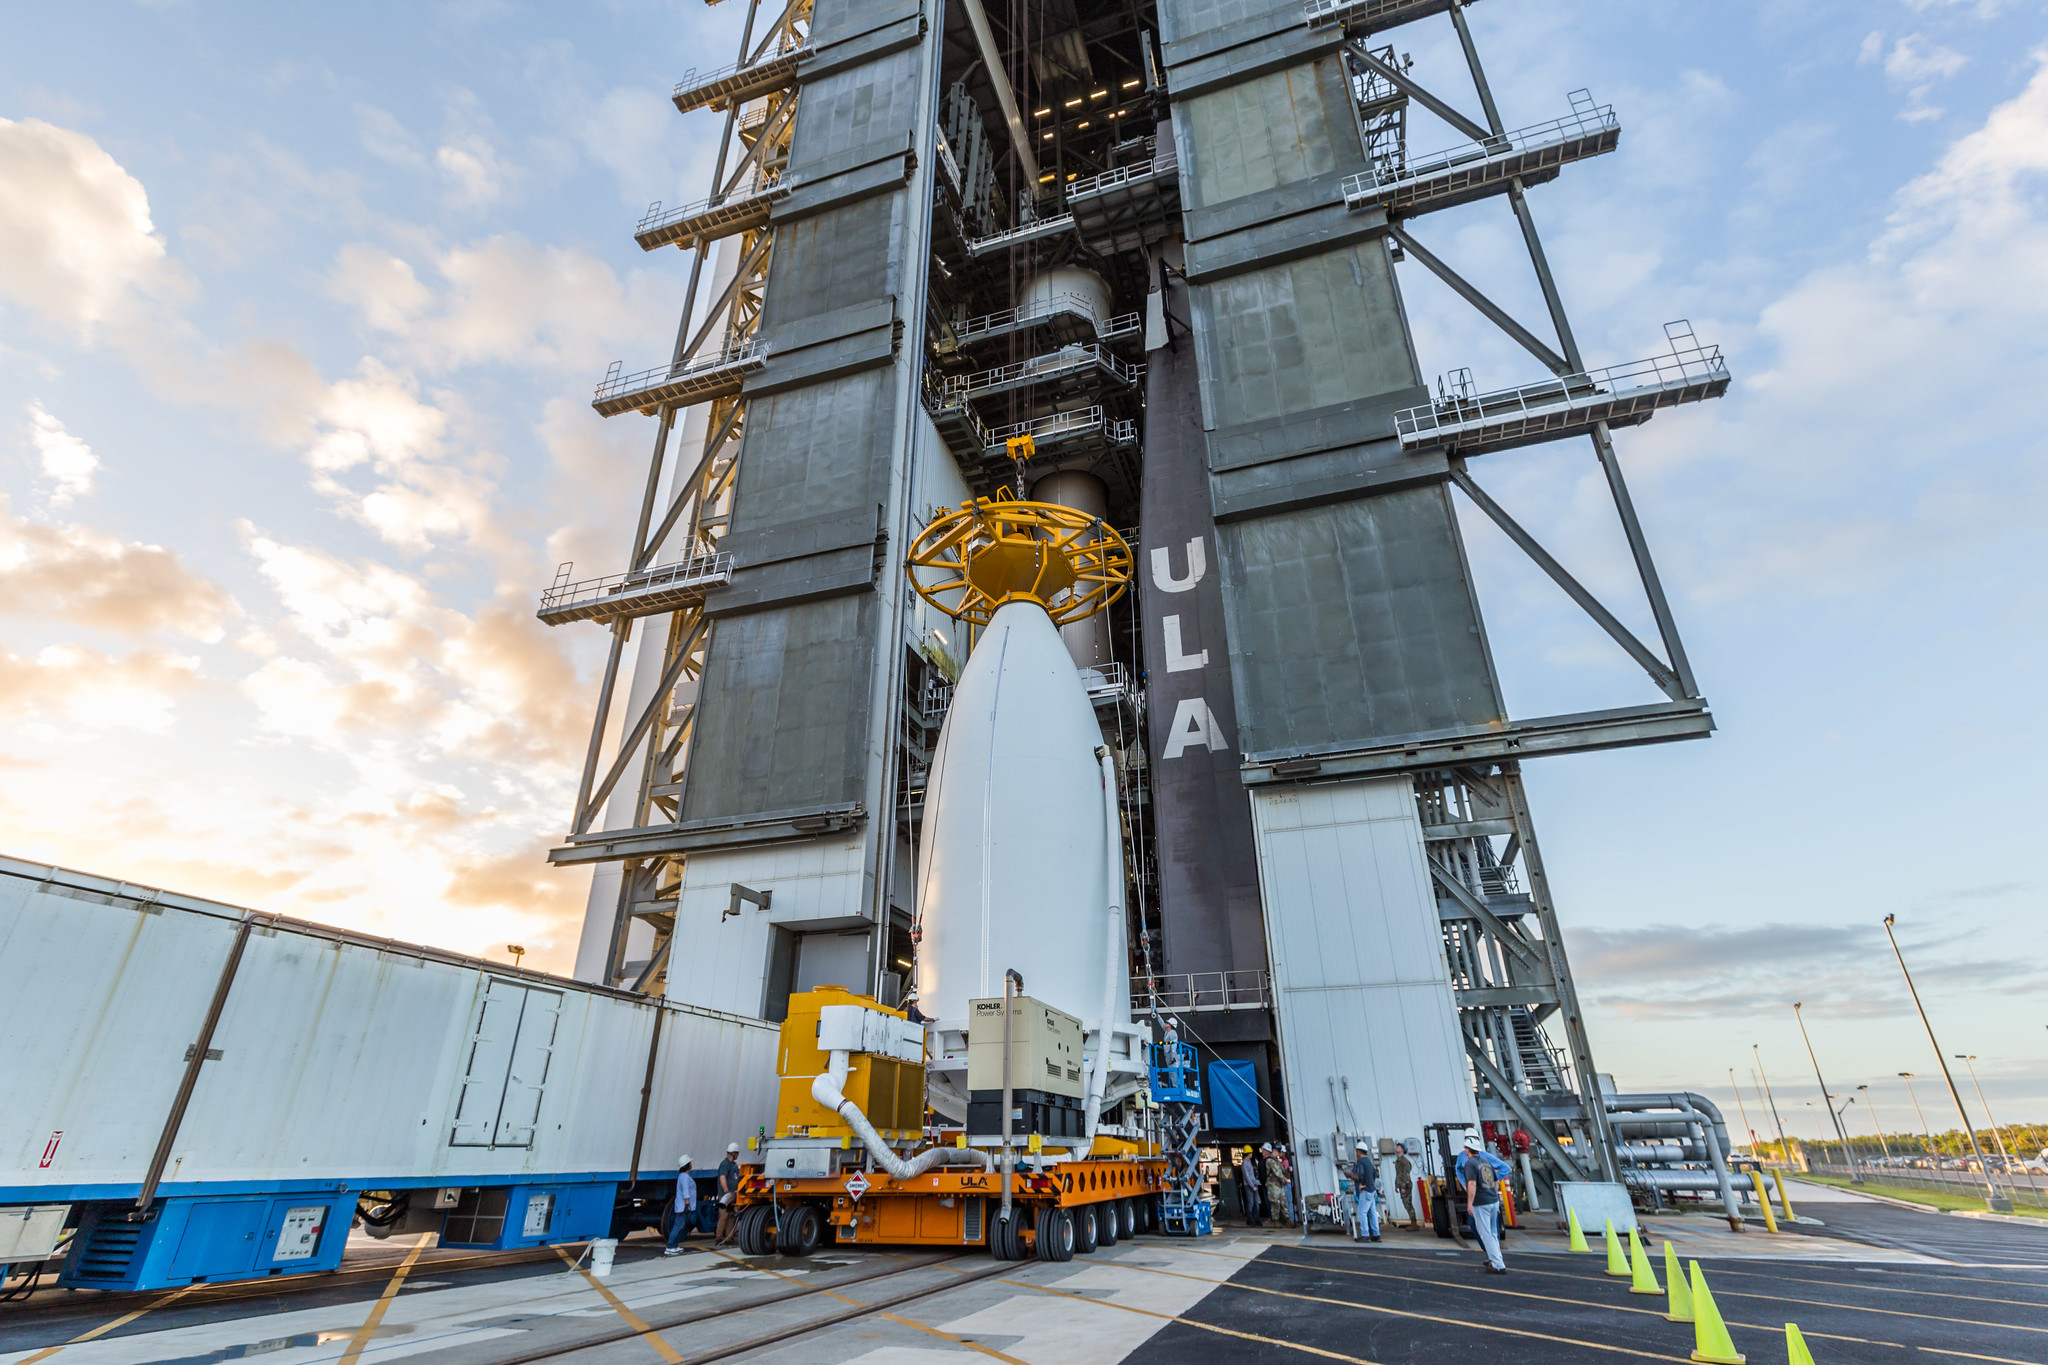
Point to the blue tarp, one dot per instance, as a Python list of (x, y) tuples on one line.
[(1233, 1095)]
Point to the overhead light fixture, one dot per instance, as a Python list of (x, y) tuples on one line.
[(1131, 83), (1045, 137), (1099, 95), (1083, 124), (1041, 113), (1072, 102), (1044, 178), (1072, 174)]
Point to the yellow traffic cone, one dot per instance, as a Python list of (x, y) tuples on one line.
[(1642, 1281), (1578, 1233), (1616, 1266), (1678, 1307), (1710, 1340), (1795, 1346)]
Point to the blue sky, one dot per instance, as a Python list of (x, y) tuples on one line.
[(300, 307)]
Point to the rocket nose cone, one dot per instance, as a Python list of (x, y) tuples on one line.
[(1011, 873)]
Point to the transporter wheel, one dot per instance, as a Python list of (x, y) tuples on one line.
[(803, 1228), (1108, 1224), (1440, 1216), (1055, 1234), (754, 1230), (1085, 1237), (1149, 1208), (1006, 1239), (1127, 1218)]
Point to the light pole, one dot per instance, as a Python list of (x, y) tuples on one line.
[(1926, 1136), (1816, 1121), (1997, 1202), (1855, 1175), (1743, 1109), (1970, 1061), (1882, 1145), (1784, 1149)]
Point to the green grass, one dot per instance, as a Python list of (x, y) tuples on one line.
[(1933, 1199)]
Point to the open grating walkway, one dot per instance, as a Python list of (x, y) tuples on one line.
[(626, 596), (696, 381), (1474, 170)]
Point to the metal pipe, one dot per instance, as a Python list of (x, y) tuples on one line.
[(1010, 977), (647, 1087), (176, 1118), (1713, 1131), (992, 57), (829, 1090)]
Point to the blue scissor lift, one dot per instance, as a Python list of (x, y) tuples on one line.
[(1177, 1091)]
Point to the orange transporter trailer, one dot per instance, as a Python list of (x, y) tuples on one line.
[(853, 1162)]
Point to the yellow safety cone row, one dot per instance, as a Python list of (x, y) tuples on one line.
[(1677, 1308), (1617, 1265), (1710, 1340), (1795, 1346), (1642, 1280), (1578, 1233)]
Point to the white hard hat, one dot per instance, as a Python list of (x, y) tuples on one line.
[(1363, 1146), (731, 1147), (682, 1161), (1472, 1142)]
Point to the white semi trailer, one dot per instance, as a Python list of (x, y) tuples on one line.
[(195, 1092)]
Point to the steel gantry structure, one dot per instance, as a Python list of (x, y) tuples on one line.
[(1138, 258)]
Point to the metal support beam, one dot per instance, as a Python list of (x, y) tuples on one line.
[(1494, 924), (1666, 680), (631, 741), (1646, 568), (621, 630), (1581, 1047), (1495, 314), (1478, 71), (1531, 1120), (1407, 85), (190, 1080)]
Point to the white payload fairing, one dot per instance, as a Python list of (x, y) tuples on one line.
[(1021, 865)]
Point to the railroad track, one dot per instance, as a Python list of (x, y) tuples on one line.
[(988, 1269)]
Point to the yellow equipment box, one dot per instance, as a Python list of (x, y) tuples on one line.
[(889, 1089)]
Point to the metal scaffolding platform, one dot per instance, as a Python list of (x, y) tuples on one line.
[(1464, 422), (1070, 317), (958, 426), (1079, 364), (1064, 433), (625, 596), (1367, 16), (1038, 231), (1474, 170), (1128, 207), (697, 381), (739, 81), (710, 219)]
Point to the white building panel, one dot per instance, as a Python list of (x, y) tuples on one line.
[(1369, 1036), (339, 1058), (720, 961)]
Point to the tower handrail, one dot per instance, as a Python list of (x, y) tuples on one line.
[(1692, 364), (1585, 120)]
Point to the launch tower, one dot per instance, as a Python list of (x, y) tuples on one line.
[(1139, 260)]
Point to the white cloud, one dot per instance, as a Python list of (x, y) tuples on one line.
[(471, 172), (67, 461), (76, 240), (385, 138), (71, 573), (92, 691)]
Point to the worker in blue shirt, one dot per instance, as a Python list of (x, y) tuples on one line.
[(1480, 1173), (1365, 1180), (728, 1194), (685, 1211)]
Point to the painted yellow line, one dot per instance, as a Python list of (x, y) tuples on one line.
[(633, 1320), (957, 1341), (363, 1334), (1190, 1322), (107, 1327), (1576, 1303), (1420, 1317)]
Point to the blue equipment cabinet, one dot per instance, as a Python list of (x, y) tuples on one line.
[(500, 1217), (193, 1239)]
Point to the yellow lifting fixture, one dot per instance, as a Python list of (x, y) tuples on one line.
[(995, 550)]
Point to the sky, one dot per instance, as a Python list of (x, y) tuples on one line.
[(301, 307)]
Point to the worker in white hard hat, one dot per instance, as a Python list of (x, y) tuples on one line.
[(728, 1193), (1365, 1179), (684, 1211), (1480, 1173)]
